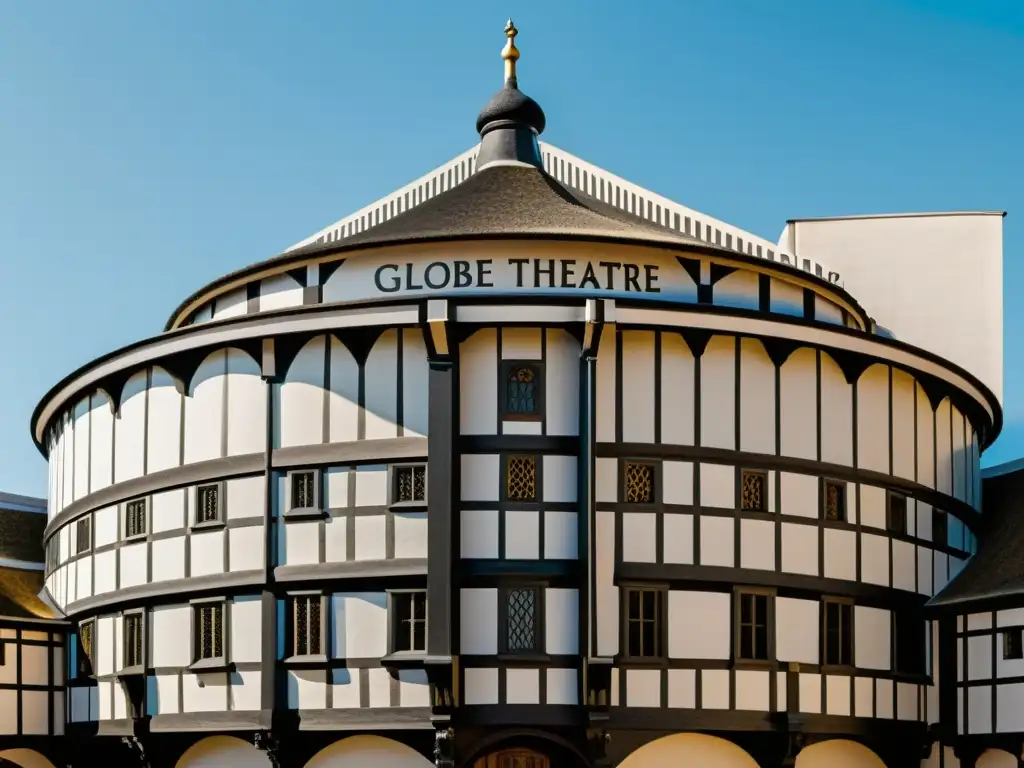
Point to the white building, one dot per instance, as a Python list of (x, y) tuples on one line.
[(526, 466)]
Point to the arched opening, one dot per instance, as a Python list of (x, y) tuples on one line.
[(361, 751), (996, 758), (222, 752), (24, 758), (514, 758), (838, 753), (689, 750)]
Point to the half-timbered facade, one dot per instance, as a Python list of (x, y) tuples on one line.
[(522, 466)]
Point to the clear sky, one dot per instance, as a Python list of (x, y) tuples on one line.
[(148, 148)]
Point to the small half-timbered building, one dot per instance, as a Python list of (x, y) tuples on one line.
[(527, 466)]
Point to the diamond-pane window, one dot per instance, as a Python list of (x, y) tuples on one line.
[(303, 490), (754, 491), (521, 484), (410, 484), (835, 501), (209, 627), (132, 630), (306, 625), (522, 393), (135, 518), (639, 483), (208, 504), (521, 614)]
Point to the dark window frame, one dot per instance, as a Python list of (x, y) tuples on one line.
[(737, 612), (137, 666), (395, 618), (539, 627), (937, 515), (744, 473), (221, 513), (506, 463), (83, 522), (841, 487), (847, 656), (660, 621), (84, 655), (318, 600), (394, 476), (895, 518), (127, 516), (900, 622), (654, 466), (1013, 644), (507, 367), (299, 513), (213, 662)]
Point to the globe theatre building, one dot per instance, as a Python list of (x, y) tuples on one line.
[(526, 466)]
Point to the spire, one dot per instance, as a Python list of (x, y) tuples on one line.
[(511, 122)]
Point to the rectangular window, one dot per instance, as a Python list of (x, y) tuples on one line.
[(835, 501), (522, 391), (644, 623), (132, 636), (754, 491), (909, 650), (307, 625), (521, 478), (303, 487), (208, 503), (638, 483), (1013, 648), (135, 518), (409, 622), (752, 626), (838, 633), (83, 535), (521, 616), (209, 631), (896, 514), (85, 648), (940, 527), (410, 485)]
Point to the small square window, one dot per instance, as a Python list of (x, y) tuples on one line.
[(838, 634), (940, 527), (754, 491), (644, 623), (522, 391), (410, 485), (522, 612), (752, 627), (307, 625), (208, 503), (1013, 648), (521, 478), (83, 535), (896, 514), (135, 518), (638, 483), (208, 626), (409, 622), (835, 501), (131, 633)]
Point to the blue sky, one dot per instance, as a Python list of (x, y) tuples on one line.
[(150, 147)]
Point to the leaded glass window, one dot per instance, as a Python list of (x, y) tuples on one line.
[(135, 518), (521, 612), (522, 391), (754, 491), (753, 627), (410, 484), (307, 635), (639, 483), (838, 632), (208, 503), (85, 644), (83, 535), (643, 635), (209, 630), (835, 501), (132, 634), (521, 480), (410, 621), (303, 490)]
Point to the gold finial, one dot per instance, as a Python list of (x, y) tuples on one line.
[(510, 53)]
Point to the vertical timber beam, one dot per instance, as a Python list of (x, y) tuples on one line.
[(268, 600)]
